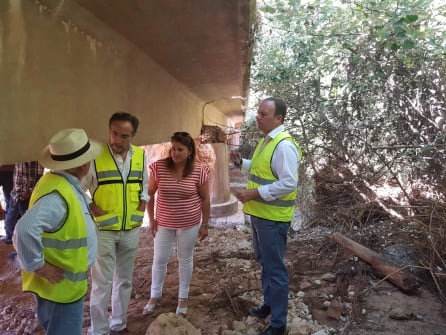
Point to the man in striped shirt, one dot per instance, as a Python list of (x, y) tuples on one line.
[(25, 177)]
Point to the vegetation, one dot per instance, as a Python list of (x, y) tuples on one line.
[(365, 83)]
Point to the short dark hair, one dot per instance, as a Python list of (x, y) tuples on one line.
[(123, 116), (280, 107)]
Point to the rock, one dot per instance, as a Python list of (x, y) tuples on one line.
[(239, 326), (304, 285), (322, 332), (300, 294), (330, 277), (400, 314), (171, 324), (335, 309)]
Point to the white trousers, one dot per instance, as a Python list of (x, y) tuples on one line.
[(163, 246), (111, 276)]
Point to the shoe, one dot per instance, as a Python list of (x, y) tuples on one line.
[(182, 311), (273, 331), (260, 312), (150, 308)]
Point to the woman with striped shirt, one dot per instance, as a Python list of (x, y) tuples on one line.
[(181, 214)]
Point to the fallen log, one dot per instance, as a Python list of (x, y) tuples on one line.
[(405, 281)]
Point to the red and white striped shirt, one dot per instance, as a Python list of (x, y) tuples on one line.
[(178, 203)]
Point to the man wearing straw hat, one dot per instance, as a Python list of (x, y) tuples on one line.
[(56, 238)]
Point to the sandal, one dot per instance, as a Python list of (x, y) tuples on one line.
[(149, 308), (182, 311)]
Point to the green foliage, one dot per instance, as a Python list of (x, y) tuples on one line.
[(364, 81)]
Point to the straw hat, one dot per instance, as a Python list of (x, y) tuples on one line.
[(69, 148)]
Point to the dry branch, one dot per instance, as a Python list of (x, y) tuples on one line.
[(407, 282)]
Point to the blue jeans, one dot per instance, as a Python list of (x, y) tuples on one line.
[(269, 241), (15, 212), (57, 318)]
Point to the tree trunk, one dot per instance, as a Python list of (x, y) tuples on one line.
[(405, 281)]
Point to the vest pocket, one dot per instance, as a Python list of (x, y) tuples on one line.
[(136, 218)]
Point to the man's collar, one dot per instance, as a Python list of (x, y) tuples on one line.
[(273, 133)]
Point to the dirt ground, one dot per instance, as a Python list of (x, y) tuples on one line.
[(330, 289)]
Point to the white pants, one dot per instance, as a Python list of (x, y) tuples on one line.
[(163, 245), (113, 269)]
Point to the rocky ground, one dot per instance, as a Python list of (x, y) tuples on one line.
[(331, 291)]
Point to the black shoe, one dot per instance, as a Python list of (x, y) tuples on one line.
[(273, 331), (260, 312)]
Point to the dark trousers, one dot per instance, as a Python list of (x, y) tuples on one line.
[(15, 212), (269, 241)]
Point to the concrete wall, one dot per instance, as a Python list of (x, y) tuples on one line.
[(60, 67)]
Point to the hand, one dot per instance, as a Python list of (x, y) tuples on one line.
[(203, 233), (96, 210), (153, 227), (2, 212), (236, 159), (50, 272), (248, 195), (142, 206)]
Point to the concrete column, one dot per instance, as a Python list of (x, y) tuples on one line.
[(223, 203)]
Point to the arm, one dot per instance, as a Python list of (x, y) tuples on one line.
[(26, 175), (151, 203), (90, 183), (47, 214), (145, 188), (203, 191), (239, 162), (2, 212)]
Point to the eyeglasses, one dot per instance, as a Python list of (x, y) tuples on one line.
[(181, 133)]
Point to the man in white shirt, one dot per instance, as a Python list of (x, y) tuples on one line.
[(269, 199)]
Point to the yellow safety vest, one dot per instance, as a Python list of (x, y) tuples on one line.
[(65, 248), (118, 197), (281, 209)]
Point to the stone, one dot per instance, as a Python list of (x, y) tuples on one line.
[(335, 309), (329, 277), (171, 324)]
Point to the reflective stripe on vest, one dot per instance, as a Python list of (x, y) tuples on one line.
[(119, 198), (65, 248), (281, 209)]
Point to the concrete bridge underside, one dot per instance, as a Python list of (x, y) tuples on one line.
[(72, 63)]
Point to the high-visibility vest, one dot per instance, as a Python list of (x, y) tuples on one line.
[(118, 197), (65, 248), (260, 173)]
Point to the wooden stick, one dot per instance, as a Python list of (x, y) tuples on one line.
[(407, 282)]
